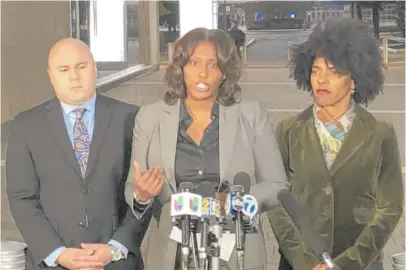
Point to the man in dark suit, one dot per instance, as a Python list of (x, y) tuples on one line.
[(67, 162)]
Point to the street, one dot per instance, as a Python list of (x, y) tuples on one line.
[(271, 46)]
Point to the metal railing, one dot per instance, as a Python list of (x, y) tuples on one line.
[(385, 51)]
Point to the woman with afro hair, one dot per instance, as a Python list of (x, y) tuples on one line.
[(342, 163)]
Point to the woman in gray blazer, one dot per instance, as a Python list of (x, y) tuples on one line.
[(201, 131)]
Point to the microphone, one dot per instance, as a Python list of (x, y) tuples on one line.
[(209, 207), (244, 180), (211, 230), (300, 216), (223, 187), (193, 228), (234, 206), (185, 205), (250, 210)]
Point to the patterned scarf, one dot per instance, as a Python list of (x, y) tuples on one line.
[(332, 131)]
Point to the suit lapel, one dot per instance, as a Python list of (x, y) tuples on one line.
[(309, 141), (356, 138), (228, 119), (57, 126), (101, 125), (168, 134)]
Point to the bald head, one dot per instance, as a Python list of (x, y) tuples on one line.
[(68, 45), (72, 71)]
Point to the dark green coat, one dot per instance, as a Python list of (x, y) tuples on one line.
[(356, 204)]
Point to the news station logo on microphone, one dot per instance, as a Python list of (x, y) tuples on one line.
[(227, 206), (216, 208), (195, 204), (206, 207), (233, 204), (186, 203), (178, 203), (211, 207), (250, 207), (237, 203)]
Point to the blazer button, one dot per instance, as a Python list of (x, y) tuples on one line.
[(328, 190), (85, 191), (326, 212), (81, 224)]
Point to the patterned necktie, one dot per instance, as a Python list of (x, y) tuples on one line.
[(81, 140)]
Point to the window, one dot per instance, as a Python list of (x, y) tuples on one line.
[(111, 29)]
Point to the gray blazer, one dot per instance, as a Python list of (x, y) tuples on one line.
[(48, 196), (247, 143)]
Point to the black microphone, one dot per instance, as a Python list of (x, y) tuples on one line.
[(223, 187), (244, 180), (185, 226), (206, 190), (300, 215), (242, 184)]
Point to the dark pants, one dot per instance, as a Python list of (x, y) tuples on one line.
[(284, 264)]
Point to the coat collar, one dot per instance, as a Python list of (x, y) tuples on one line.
[(359, 133)]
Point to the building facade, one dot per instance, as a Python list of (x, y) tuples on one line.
[(122, 35)]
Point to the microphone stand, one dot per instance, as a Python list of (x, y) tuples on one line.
[(193, 228), (214, 251), (214, 237), (185, 226), (237, 204), (203, 246), (185, 242), (240, 234)]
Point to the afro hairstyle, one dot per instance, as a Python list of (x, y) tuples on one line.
[(351, 47)]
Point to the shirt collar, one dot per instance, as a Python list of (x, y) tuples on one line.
[(185, 116), (349, 110), (89, 106)]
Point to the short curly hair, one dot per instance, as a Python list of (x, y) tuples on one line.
[(229, 64), (351, 47)]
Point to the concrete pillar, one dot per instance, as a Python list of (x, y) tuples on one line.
[(193, 14), (149, 31), (28, 30), (154, 31)]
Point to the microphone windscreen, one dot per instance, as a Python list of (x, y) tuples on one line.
[(185, 186), (244, 180), (236, 188), (205, 189)]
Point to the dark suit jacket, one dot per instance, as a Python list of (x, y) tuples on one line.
[(49, 198), (356, 204)]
